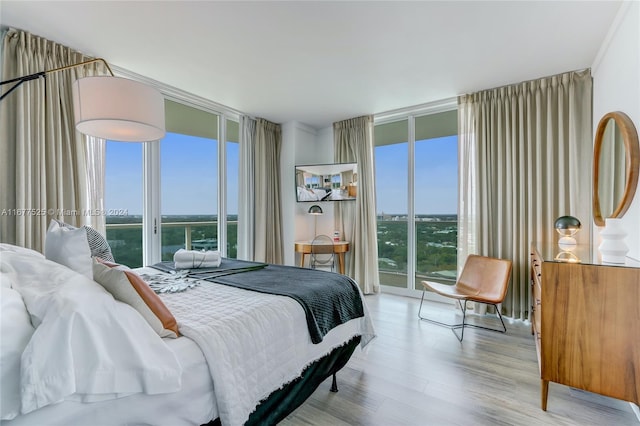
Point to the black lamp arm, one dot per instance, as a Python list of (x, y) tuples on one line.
[(20, 80)]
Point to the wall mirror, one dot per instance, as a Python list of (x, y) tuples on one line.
[(615, 166)]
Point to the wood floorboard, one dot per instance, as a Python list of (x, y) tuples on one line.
[(416, 373)]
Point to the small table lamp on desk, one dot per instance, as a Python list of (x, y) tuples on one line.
[(339, 248), (315, 210)]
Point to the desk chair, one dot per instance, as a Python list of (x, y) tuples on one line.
[(483, 280), (322, 253)]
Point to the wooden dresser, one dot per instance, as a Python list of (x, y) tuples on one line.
[(586, 322)]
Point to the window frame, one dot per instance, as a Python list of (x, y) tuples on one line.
[(410, 115), (151, 206)]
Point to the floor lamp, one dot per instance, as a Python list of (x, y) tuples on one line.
[(110, 107)]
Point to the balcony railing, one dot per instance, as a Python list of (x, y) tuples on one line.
[(434, 237), (388, 276), (188, 242)]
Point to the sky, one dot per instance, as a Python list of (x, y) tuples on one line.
[(189, 176), (188, 170), (436, 177)]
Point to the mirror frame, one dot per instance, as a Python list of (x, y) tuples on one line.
[(632, 162)]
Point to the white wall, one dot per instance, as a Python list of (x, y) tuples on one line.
[(301, 144), (616, 87), (324, 145)]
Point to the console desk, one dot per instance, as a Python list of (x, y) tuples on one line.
[(339, 248), (586, 322)]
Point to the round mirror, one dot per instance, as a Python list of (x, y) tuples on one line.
[(615, 166)]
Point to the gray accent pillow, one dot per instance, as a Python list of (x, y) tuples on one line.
[(97, 243)]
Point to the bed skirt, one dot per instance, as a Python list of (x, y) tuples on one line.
[(284, 401)]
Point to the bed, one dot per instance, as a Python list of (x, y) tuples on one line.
[(312, 194), (242, 356)]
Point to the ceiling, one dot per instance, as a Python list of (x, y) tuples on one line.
[(317, 62)]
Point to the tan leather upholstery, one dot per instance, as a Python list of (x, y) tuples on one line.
[(483, 279)]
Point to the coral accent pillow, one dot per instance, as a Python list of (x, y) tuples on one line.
[(128, 287)]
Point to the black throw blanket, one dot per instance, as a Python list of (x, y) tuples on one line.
[(328, 299), (227, 266)]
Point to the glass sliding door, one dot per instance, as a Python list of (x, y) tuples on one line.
[(392, 177), (189, 180), (436, 197), (189, 193), (123, 201), (173, 187), (417, 199), (232, 175)]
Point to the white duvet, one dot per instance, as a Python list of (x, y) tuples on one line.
[(253, 342), (89, 347), (86, 345), (308, 194)]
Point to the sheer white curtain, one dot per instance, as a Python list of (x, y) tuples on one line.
[(353, 142), (44, 164), (247, 194), (525, 159), (260, 213), (95, 156)]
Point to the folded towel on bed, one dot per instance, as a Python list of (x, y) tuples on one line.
[(192, 259)]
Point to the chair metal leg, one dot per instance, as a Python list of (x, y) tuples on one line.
[(504, 328), (452, 327), (464, 315), (464, 324)]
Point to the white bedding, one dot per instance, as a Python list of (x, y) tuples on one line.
[(86, 345), (254, 342), (308, 194), (249, 344), (193, 404)]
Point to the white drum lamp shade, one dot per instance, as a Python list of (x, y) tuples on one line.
[(118, 109)]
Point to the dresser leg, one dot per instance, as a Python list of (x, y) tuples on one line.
[(544, 393)]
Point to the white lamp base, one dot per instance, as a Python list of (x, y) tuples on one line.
[(567, 243), (613, 248)]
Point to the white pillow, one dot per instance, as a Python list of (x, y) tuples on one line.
[(97, 243), (16, 331), (87, 345), (68, 247)]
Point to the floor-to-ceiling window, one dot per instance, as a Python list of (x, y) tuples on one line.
[(392, 179), (174, 188), (416, 194), (232, 177), (189, 180), (188, 193), (124, 201), (435, 192)]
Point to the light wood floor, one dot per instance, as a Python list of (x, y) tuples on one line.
[(416, 373)]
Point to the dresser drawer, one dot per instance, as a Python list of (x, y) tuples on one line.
[(587, 342)]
